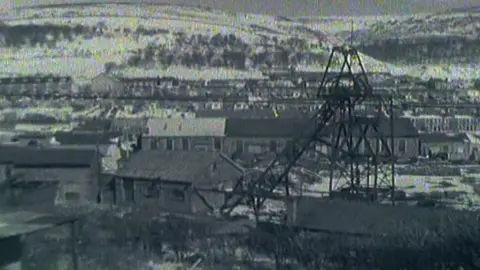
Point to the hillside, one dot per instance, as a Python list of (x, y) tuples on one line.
[(83, 41), (427, 39), (441, 45)]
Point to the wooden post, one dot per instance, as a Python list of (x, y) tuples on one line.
[(73, 243)]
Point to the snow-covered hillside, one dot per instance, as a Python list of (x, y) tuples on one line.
[(157, 39), (423, 45), (423, 39)]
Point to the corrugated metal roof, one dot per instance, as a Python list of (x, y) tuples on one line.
[(362, 218), (186, 127), (20, 222)]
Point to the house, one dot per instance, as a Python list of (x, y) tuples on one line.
[(253, 113), (179, 181), (36, 84), (129, 126), (438, 84), (450, 123), (205, 134), (21, 127), (145, 85), (257, 136), (460, 146), (109, 83), (106, 83), (50, 174)]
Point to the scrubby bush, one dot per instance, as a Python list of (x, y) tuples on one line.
[(114, 238)]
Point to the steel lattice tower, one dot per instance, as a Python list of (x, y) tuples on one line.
[(351, 133), (361, 142)]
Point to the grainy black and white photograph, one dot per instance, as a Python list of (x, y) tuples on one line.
[(254, 134)]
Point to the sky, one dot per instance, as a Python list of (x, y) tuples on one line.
[(298, 7)]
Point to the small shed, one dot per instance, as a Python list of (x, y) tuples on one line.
[(182, 181)]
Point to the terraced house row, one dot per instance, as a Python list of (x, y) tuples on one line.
[(252, 136)]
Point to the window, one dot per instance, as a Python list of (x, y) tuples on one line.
[(72, 196), (402, 146), (254, 149), (240, 146), (153, 190), (273, 146), (153, 143), (202, 148), (128, 186), (185, 144), (177, 195), (169, 144), (217, 144)]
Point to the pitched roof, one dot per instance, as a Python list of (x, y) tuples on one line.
[(94, 125), (188, 127), (85, 137), (443, 138), (46, 156), (260, 113), (53, 174), (34, 80), (402, 127), (292, 127), (183, 166), (261, 127)]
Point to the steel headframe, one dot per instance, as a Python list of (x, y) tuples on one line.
[(360, 137), (353, 143)]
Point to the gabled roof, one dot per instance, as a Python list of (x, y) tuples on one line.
[(107, 75), (292, 127), (186, 127), (178, 166)]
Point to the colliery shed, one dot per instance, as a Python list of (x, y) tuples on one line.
[(182, 181)]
